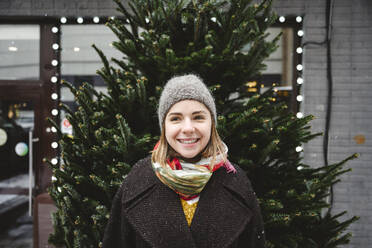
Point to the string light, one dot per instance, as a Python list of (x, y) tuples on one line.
[(54, 145), (299, 50), (54, 62), (55, 46), (147, 20), (54, 96), (48, 130), (96, 19), (282, 19), (299, 67), (80, 20), (54, 130), (300, 98), (300, 80), (300, 115), (54, 30), (54, 112), (300, 33), (299, 149), (298, 19), (53, 177), (213, 19), (54, 79), (63, 19)]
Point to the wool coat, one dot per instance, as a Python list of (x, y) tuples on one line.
[(146, 213)]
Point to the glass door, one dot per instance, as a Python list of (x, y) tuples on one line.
[(17, 123)]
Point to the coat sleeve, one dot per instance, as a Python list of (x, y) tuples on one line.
[(117, 231), (257, 233)]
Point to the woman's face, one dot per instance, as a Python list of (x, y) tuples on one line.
[(188, 127)]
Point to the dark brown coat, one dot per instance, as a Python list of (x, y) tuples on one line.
[(146, 213)]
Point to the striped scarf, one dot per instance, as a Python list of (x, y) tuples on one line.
[(189, 179)]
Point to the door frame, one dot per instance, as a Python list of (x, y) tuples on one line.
[(39, 91)]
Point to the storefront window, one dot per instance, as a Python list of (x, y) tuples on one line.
[(19, 52)]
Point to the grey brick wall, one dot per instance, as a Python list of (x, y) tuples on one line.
[(352, 75)]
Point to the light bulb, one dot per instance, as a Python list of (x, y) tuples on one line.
[(282, 19), (54, 79), (299, 149), (54, 30), (300, 33), (63, 19), (54, 62), (298, 19), (299, 50), (96, 19), (54, 112), (55, 46), (300, 80), (54, 96), (300, 115), (54, 161), (80, 20), (300, 98), (54, 145), (299, 67)]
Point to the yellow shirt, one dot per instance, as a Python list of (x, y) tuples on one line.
[(189, 210)]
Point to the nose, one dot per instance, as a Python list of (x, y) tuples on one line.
[(188, 126)]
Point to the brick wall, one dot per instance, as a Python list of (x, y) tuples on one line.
[(352, 76)]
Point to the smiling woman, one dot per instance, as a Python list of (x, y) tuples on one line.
[(187, 194)]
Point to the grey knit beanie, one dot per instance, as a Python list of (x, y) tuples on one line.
[(186, 87)]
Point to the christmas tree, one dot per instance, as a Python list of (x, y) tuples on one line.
[(159, 39)]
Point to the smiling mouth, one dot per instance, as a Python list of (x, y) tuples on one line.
[(188, 141)]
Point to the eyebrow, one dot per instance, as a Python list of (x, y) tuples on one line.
[(193, 113)]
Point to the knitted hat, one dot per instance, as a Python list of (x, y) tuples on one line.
[(186, 87)]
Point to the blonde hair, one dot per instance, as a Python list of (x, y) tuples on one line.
[(164, 151)]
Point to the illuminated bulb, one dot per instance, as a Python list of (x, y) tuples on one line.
[(54, 30), (54, 79), (96, 19), (54, 96), (54, 145), (299, 67), (299, 149), (80, 20), (300, 80), (48, 130), (299, 50), (298, 19), (300, 98), (112, 17), (76, 49), (300, 115), (147, 20), (300, 167), (213, 19), (54, 62), (59, 189), (63, 19), (54, 112), (300, 33), (53, 177), (282, 19), (54, 130), (55, 46), (13, 49)]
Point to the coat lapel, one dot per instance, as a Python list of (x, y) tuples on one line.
[(221, 215), (155, 211)]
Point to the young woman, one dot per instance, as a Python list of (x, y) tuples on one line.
[(187, 194)]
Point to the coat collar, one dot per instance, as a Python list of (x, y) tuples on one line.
[(155, 210)]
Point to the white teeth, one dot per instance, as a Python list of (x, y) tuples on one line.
[(188, 141)]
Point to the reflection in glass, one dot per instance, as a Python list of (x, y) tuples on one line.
[(16, 119), (19, 52)]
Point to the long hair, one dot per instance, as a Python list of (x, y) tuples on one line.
[(164, 151)]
